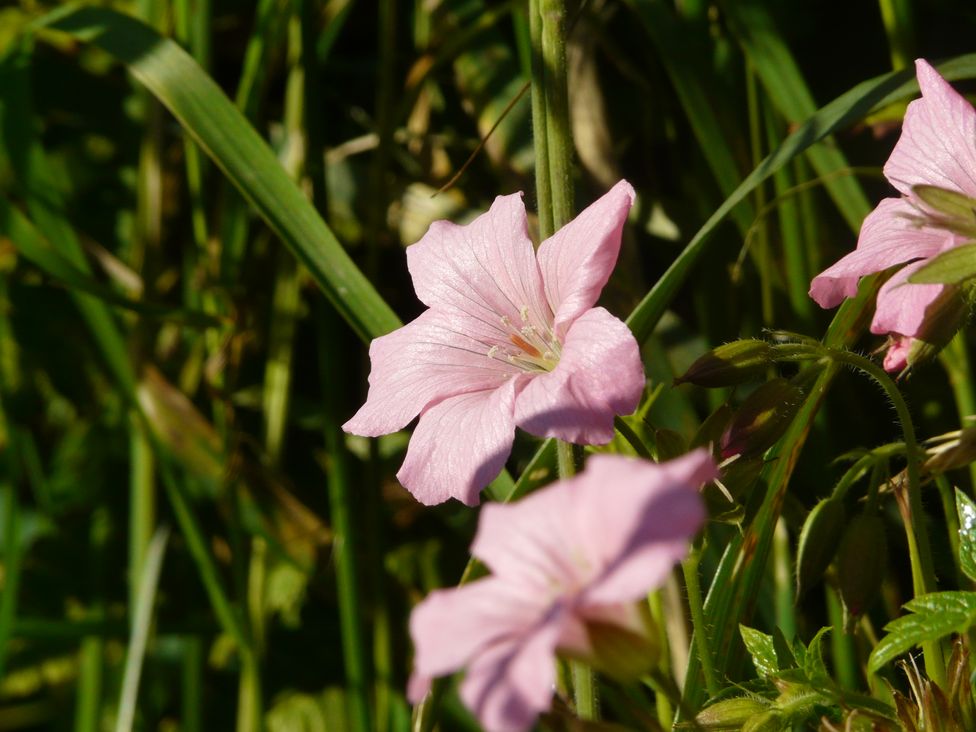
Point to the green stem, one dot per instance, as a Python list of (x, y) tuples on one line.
[(555, 88), (633, 439), (955, 361), (142, 508), (584, 684), (192, 682), (346, 540), (783, 581), (540, 137), (759, 195), (841, 643), (916, 533), (701, 640)]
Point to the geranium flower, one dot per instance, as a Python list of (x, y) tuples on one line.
[(936, 153), (569, 565), (510, 338)]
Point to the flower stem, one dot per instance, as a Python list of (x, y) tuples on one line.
[(550, 115), (693, 588), (584, 686), (633, 439), (916, 534), (955, 360)]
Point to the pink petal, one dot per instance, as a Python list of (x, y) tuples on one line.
[(896, 358), (599, 375), (486, 269), (460, 445), (510, 684), (888, 237), (577, 260), (451, 627), (637, 519), (586, 529), (438, 355), (530, 543), (902, 306), (938, 140)]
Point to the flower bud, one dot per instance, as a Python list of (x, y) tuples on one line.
[(861, 562), (624, 645), (730, 714), (769, 721), (821, 533), (730, 364), (761, 419)]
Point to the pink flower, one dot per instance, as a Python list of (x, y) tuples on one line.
[(937, 148), (511, 338), (567, 562)]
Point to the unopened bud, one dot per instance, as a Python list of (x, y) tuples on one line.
[(730, 364), (731, 713), (624, 646), (821, 533), (861, 562), (761, 419), (769, 721)]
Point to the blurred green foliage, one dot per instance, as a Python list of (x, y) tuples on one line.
[(165, 361)]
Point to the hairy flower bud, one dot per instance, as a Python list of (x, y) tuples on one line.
[(730, 364), (821, 533), (761, 419), (731, 714), (861, 562)]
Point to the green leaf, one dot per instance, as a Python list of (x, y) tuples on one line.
[(934, 615), (949, 268), (967, 534), (813, 663), (233, 144), (762, 649)]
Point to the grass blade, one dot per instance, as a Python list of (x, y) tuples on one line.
[(789, 92), (846, 109), (139, 638), (220, 129)]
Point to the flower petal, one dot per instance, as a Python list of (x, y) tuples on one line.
[(599, 375), (460, 445), (530, 542), (510, 684), (618, 523), (637, 519), (889, 236), (486, 269), (902, 307), (896, 358), (451, 627), (438, 355), (937, 146), (577, 260)]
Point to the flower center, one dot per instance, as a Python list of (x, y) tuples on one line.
[(536, 349)]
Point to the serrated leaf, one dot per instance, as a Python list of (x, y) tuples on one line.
[(967, 534), (949, 268), (934, 615), (762, 649), (813, 663)]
